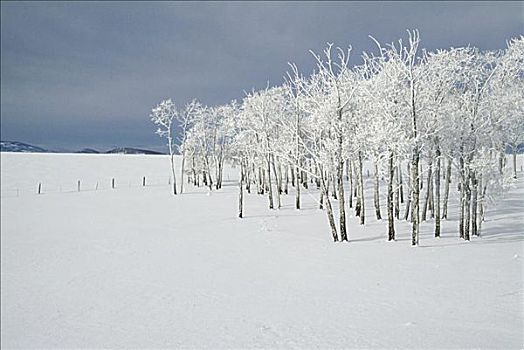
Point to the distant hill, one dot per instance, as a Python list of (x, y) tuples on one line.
[(88, 151), (15, 146), (129, 150)]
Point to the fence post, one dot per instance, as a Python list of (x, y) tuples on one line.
[(144, 181), (39, 188), (96, 186), (78, 186), (113, 183)]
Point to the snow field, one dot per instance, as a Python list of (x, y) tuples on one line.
[(137, 267)]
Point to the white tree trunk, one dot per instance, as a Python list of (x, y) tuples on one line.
[(446, 190), (329, 210), (408, 201), (270, 187), (391, 219), (241, 191), (361, 189), (415, 190), (437, 192), (428, 188), (514, 152), (172, 157), (376, 194), (182, 172)]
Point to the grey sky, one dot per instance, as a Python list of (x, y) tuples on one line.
[(86, 74)]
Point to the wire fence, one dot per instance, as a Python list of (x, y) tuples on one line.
[(75, 186)]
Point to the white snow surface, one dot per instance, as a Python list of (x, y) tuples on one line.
[(136, 267)]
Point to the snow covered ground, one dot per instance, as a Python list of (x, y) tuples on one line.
[(136, 267)]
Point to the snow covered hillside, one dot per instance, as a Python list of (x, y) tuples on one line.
[(135, 267), (14, 146)]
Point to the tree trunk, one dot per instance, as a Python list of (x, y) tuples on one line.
[(304, 176), (355, 173), (329, 211), (217, 172), (194, 171), (334, 182), (350, 175), (358, 205), (474, 198), (400, 182), (467, 206), (340, 181), (210, 180), (173, 171), (437, 192), (221, 171), (428, 188), (248, 179), (420, 172), (514, 152), (317, 180), (408, 201), (220, 167), (446, 190), (481, 204), (270, 188), (361, 189), (297, 194), (241, 191), (502, 159), (208, 172), (462, 197), (321, 200), (431, 204), (182, 172), (376, 195), (341, 203), (279, 175), (328, 182), (278, 181), (391, 219), (396, 192), (287, 179), (415, 185), (260, 182)]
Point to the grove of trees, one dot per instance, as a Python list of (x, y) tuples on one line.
[(416, 116)]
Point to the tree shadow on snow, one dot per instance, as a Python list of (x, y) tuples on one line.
[(369, 239)]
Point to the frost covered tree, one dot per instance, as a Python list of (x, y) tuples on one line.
[(451, 112), (185, 119), (337, 85), (163, 116), (507, 96), (387, 131), (405, 59), (443, 70)]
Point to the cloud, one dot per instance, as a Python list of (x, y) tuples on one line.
[(70, 70)]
